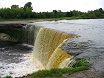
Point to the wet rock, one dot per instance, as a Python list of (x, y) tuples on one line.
[(86, 74), (11, 26)]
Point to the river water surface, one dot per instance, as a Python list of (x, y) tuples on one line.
[(15, 59), (90, 31)]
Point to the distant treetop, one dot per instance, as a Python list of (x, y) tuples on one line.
[(28, 5), (15, 6)]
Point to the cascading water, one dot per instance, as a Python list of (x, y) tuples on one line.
[(15, 56), (29, 34), (46, 49)]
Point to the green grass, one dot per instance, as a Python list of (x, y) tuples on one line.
[(7, 77), (80, 65)]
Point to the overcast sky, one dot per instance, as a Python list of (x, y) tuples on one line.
[(64, 5)]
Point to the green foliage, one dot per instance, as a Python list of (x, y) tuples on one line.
[(26, 12), (80, 65), (80, 62), (7, 77), (15, 13), (47, 73)]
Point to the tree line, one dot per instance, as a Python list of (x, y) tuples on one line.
[(16, 12)]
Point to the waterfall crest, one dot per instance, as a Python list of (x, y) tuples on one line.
[(29, 33)]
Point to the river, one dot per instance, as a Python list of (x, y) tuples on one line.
[(90, 31), (15, 59)]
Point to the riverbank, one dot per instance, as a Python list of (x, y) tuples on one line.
[(26, 21)]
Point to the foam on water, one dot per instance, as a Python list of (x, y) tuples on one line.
[(18, 69)]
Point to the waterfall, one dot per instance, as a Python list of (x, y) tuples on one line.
[(46, 47), (56, 58), (48, 44), (29, 33), (51, 48)]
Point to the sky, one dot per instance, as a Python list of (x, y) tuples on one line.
[(63, 5)]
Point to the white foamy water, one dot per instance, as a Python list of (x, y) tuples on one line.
[(18, 69), (16, 60)]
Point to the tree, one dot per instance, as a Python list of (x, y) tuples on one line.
[(100, 9), (55, 11), (28, 5), (15, 6)]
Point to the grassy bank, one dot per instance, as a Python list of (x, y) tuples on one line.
[(45, 19), (26, 21), (80, 65)]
